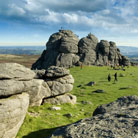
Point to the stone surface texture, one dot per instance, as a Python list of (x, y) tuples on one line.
[(118, 119), (15, 71), (12, 114), (42, 84), (64, 49)]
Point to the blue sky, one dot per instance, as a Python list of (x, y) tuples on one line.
[(31, 22)]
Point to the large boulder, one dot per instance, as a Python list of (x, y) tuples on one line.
[(60, 46), (37, 89), (87, 49), (61, 85), (44, 83), (115, 120), (15, 71), (12, 114), (64, 49), (67, 60)]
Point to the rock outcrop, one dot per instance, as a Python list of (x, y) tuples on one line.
[(115, 120), (21, 87), (12, 114), (64, 49), (38, 84)]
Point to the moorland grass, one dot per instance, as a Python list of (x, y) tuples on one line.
[(40, 122)]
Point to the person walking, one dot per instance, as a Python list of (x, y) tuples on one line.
[(115, 75), (109, 77)]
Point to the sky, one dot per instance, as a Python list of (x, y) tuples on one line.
[(31, 22)]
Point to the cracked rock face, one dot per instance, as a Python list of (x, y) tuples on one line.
[(21, 87), (64, 49), (39, 84), (12, 114), (118, 119)]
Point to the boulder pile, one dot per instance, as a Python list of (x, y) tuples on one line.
[(21, 87), (64, 49), (118, 119)]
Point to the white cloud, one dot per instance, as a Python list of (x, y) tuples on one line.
[(15, 10), (106, 17)]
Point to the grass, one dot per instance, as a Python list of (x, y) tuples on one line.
[(41, 122)]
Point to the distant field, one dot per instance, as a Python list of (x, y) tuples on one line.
[(26, 60)]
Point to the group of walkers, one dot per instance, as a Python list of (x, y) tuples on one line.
[(115, 77)]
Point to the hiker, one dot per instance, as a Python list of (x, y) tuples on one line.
[(109, 77), (81, 65), (115, 75)]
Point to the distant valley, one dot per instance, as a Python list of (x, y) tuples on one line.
[(37, 50), (22, 50)]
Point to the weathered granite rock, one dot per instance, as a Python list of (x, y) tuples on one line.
[(61, 85), (69, 44), (12, 114), (54, 72), (67, 60), (37, 89), (15, 71), (115, 120), (87, 49), (61, 99), (61, 46), (39, 74), (65, 50), (53, 82)]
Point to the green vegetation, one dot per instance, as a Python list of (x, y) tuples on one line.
[(40, 121)]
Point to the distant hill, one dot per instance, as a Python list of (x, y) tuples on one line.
[(22, 50), (129, 51), (37, 50)]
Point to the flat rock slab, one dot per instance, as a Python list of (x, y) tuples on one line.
[(115, 120), (15, 71), (12, 114), (99, 91)]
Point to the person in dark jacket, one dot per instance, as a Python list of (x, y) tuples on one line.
[(115, 75), (109, 77)]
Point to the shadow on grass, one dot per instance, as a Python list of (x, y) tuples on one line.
[(44, 133)]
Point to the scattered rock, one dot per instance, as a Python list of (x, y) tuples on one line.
[(55, 108), (128, 87), (79, 86), (86, 102), (12, 114), (121, 75), (99, 91), (69, 115), (91, 83), (115, 120)]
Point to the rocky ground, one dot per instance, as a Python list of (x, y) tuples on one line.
[(118, 119)]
